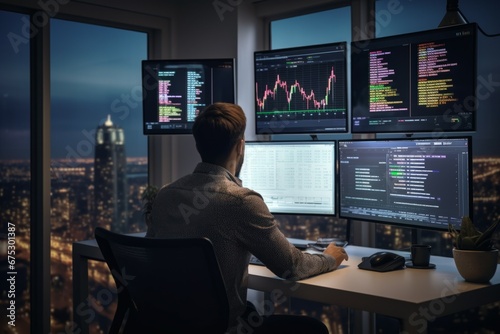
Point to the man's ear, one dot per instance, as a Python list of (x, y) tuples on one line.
[(240, 146)]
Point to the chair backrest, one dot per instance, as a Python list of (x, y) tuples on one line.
[(168, 285)]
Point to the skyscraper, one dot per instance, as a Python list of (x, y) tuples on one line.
[(110, 181)]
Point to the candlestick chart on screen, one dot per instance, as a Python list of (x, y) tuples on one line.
[(302, 89)]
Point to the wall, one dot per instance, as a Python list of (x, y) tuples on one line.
[(198, 31), (224, 28)]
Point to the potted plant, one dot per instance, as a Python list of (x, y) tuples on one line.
[(474, 253), (148, 197)]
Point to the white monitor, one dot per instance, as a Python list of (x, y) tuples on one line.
[(293, 177)]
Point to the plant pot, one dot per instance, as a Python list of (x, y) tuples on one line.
[(476, 266)]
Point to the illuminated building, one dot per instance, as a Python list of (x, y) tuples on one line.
[(110, 181)]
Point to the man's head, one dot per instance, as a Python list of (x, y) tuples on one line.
[(217, 130)]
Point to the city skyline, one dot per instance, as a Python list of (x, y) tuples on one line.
[(110, 178), (72, 221)]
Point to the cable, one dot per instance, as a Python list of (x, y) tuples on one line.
[(480, 29)]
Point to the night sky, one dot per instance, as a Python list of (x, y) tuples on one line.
[(95, 71)]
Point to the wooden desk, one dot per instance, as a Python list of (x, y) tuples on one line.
[(415, 296)]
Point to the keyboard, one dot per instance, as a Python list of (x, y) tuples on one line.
[(319, 245)]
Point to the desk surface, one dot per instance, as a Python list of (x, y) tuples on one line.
[(413, 295), (396, 293)]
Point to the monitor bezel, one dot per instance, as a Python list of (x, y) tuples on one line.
[(425, 35), (283, 129), (334, 176), (178, 61), (409, 225)]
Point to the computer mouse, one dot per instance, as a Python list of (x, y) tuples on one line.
[(386, 259)]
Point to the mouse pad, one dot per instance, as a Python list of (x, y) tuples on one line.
[(366, 265)]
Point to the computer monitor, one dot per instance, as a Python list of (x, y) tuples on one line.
[(418, 82), (301, 90), (293, 177), (176, 90), (417, 183)]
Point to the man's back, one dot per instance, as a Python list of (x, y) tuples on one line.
[(202, 205), (212, 203)]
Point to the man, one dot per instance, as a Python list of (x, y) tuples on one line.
[(211, 202)]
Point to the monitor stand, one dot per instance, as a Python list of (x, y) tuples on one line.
[(415, 236)]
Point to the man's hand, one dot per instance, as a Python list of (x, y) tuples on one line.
[(338, 253)]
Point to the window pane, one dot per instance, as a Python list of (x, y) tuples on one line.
[(99, 154), (317, 28), (407, 16), (486, 156), (14, 171), (486, 159)]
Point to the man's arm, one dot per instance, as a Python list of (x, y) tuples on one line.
[(259, 233)]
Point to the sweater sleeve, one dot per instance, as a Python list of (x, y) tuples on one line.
[(259, 233)]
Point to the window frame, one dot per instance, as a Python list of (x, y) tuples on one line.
[(158, 29), (362, 27)]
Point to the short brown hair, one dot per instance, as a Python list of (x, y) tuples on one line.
[(217, 129)]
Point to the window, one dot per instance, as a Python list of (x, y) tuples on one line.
[(317, 28), (405, 18), (486, 156), (15, 175), (322, 27), (99, 154)]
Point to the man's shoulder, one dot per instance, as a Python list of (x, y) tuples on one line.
[(212, 185)]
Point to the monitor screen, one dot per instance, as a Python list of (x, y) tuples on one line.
[(301, 90), (292, 177), (176, 90), (421, 183), (419, 82)]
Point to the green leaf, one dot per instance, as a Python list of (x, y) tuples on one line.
[(469, 243), (486, 236), (470, 238), (467, 228)]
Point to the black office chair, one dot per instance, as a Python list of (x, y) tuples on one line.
[(165, 285)]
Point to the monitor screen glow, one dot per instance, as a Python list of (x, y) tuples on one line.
[(176, 90), (419, 183), (292, 177), (418, 82), (301, 90)]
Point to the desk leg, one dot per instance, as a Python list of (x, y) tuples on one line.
[(80, 292), (412, 328), (361, 321)]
